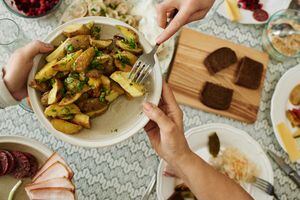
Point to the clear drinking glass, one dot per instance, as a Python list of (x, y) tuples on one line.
[(11, 38)]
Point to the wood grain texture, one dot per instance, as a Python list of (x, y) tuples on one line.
[(188, 75)]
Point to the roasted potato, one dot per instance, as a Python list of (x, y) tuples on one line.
[(69, 99), (82, 120), (84, 60), (56, 110), (122, 66), (134, 89), (58, 53), (90, 105), (94, 73), (65, 126), (65, 64), (77, 42), (128, 33), (126, 57), (100, 44), (98, 112), (95, 82), (103, 58), (55, 93), (130, 46), (105, 82), (76, 29), (44, 99), (46, 73), (39, 86)]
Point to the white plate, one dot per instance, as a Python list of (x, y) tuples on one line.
[(123, 119), (148, 26), (229, 137), (41, 152), (271, 6), (280, 100)]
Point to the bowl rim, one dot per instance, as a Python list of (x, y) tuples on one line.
[(143, 119)]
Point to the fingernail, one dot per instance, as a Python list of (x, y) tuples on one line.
[(147, 106)]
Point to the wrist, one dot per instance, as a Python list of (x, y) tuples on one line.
[(9, 86)]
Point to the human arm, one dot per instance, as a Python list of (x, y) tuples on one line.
[(13, 82), (188, 11), (166, 134)]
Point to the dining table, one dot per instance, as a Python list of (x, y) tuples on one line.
[(123, 171)]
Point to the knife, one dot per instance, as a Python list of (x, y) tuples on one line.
[(292, 174)]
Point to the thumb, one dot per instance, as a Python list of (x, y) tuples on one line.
[(158, 116), (36, 47)]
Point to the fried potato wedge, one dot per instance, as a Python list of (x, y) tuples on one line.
[(47, 72), (76, 29), (98, 112), (128, 33), (82, 120), (55, 94), (84, 60), (65, 126), (39, 86), (95, 82), (58, 53), (65, 64), (105, 82), (134, 89), (44, 99), (69, 99), (77, 42), (56, 110), (115, 92), (122, 66), (100, 44), (133, 48)]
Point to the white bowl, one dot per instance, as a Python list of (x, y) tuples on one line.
[(123, 119)]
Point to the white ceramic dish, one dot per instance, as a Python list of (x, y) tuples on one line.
[(229, 136), (280, 100), (41, 152), (271, 6), (123, 119)]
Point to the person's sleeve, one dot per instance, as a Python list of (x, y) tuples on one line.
[(6, 99)]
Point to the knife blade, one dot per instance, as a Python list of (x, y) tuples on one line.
[(292, 174)]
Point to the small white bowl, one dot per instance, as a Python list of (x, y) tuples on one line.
[(123, 119)]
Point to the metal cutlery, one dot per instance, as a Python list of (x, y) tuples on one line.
[(266, 187), (149, 188), (292, 174), (145, 64), (283, 30)]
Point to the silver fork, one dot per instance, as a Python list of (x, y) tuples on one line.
[(266, 187), (143, 66)]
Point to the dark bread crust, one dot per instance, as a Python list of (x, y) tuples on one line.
[(216, 96), (220, 59), (249, 73)]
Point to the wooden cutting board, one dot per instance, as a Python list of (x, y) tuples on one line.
[(188, 75)]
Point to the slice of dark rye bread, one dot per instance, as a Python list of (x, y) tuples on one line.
[(216, 96), (249, 73), (220, 59)]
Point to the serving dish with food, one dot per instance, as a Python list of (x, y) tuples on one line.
[(285, 112), (32, 8), (251, 11), (83, 78), (230, 150), (140, 14), (29, 170)]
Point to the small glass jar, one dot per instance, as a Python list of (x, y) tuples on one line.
[(282, 48)]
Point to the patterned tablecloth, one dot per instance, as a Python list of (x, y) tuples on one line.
[(123, 171)]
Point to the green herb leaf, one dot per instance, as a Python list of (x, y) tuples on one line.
[(70, 48)]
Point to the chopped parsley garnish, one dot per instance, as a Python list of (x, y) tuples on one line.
[(102, 97), (66, 110), (123, 59), (80, 86), (95, 64), (70, 48), (53, 110), (52, 82), (95, 32), (102, 12), (98, 52), (131, 43), (93, 10)]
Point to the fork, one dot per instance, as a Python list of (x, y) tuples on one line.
[(145, 64), (266, 187)]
